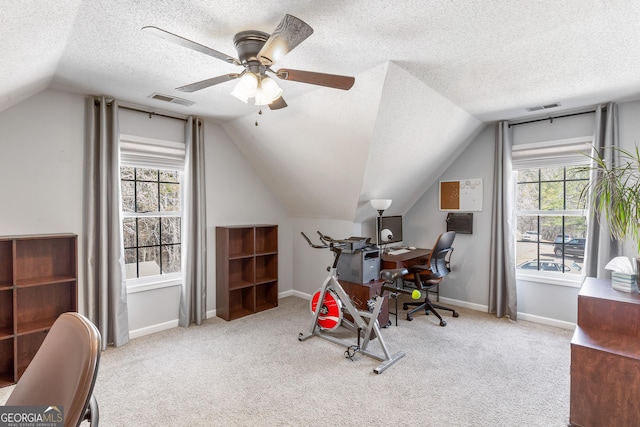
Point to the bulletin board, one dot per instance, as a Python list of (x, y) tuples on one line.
[(461, 195)]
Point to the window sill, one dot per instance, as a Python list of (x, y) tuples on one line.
[(144, 284), (575, 281)]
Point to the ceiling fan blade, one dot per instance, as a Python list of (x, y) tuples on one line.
[(278, 104), (329, 80), (207, 83), (189, 44), (288, 34)]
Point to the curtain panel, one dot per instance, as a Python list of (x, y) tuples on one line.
[(502, 269), (193, 296), (105, 284), (600, 246)]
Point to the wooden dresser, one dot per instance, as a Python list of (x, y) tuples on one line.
[(605, 357)]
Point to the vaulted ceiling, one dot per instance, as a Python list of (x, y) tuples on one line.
[(429, 75)]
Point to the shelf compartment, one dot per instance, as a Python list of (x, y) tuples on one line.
[(6, 263), (39, 281), (240, 242), (266, 296), (37, 307), (27, 347), (241, 272), (43, 258), (6, 313), (266, 268), (6, 362), (241, 302), (266, 239)]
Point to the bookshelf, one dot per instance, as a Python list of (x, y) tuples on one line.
[(246, 270), (38, 282)]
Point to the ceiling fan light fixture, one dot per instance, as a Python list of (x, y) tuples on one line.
[(246, 87), (267, 92)]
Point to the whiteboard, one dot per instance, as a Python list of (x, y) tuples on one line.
[(461, 195)]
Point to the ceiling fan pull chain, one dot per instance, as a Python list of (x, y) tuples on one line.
[(259, 113)]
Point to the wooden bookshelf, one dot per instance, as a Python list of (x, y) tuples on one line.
[(38, 282), (246, 270)]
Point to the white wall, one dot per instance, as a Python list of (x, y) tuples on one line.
[(42, 168), (310, 264), (236, 196)]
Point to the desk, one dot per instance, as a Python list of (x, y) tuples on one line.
[(361, 292), (414, 257)]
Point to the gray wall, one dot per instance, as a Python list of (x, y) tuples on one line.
[(468, 284), (42, 167)]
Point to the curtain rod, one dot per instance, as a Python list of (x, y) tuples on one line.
[(150, 113), (551, 118)]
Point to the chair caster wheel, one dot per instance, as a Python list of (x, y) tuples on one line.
[(409, 318), (443, 323), (455, 314), (405, 307)]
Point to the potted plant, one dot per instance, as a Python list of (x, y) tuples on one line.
[(615, 195)]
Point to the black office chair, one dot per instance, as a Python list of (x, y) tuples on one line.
[(425, 277)]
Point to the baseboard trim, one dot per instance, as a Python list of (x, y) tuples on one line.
[(465, 304), (148, 330), (547, 321)]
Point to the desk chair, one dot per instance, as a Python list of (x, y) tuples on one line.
[(425, 277), (63, 371)]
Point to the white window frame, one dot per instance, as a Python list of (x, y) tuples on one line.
[(150, 153), (549, 154)]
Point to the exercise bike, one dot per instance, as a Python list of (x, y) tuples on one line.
[(330, 304)]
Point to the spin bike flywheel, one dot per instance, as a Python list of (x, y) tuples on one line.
[(330, 315)]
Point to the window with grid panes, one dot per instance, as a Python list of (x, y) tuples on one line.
[(151, 221), (551, 225)]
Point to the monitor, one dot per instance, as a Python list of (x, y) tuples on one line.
[(393, 224)]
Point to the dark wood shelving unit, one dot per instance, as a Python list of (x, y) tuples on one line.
[(605, 357), (246, 270), (38, 282)]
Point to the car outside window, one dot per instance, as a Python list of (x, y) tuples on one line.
[(551, 224)]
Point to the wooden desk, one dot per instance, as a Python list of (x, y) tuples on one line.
[(361, 292), (605, 357), (416, 256)]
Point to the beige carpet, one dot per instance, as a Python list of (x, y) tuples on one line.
[(476, 371)]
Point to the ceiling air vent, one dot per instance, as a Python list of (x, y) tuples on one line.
[(171, 99), (543, 107)]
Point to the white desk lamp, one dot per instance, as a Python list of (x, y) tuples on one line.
[(380, 205)]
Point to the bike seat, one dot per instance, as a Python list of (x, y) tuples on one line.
[(393, 274)]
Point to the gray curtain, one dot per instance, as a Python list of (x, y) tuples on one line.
[(105, 285), (601, 248), (193, 298), (502, 269)]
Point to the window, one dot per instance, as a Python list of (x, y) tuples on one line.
[(151, 221), (551, 226)]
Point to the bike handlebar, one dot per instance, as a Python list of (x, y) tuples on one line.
[(328, 242)]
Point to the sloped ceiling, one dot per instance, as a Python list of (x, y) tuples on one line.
[(392, 142), (429, 74)]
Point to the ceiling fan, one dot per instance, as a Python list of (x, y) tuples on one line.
[(257, 52)]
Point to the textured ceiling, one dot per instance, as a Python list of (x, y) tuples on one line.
[(428, 75)]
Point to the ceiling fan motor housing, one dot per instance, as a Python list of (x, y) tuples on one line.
[(248, 44)]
